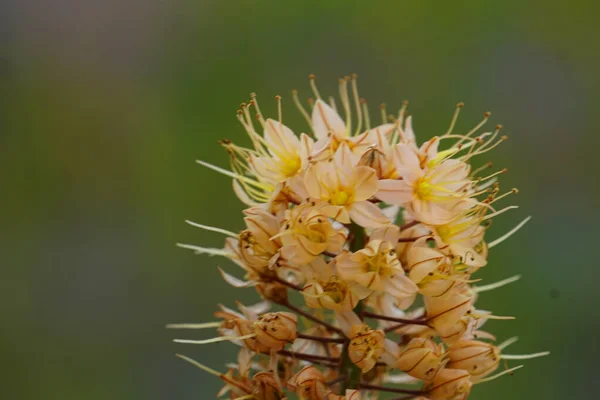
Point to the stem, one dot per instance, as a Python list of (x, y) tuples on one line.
[(409, 225), (349, 369), (391, 390), (336, 380), (320, 338), (312, 317), (275, 278), (308, 357), (393, 319)]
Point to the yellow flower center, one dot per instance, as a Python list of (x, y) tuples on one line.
[(423, 189), (290, 166), (335, 289), (341, 198)]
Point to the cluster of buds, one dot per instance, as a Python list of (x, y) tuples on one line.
[(365, 244)]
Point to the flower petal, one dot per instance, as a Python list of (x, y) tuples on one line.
[(393, 191), (367, 215), (326, 120)]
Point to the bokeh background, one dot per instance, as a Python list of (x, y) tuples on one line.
[(106, 105)]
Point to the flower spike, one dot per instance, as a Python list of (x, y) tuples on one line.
[(376, 300)]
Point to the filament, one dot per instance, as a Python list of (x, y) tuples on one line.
[(212, 229), (509, 233), (203, 325), (215, 340), (496, 285), (524, 356)]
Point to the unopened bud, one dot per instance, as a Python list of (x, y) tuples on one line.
[(276, 329), (366, 346), (477, 358), (309, 384), (449, 384), (265, 387), (421, 359)]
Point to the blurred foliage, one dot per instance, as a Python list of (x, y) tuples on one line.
[(107, 104)]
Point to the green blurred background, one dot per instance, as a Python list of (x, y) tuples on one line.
[(106, 105)]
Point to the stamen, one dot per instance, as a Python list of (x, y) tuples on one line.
[(279, 112), (254, 102), (206, 250), (509, 233), (498, 142), (499, 212), (332, 103), (507, 342), (366, 113), (459, 106), (496, 285), (485, 166), (215, 340), (502, 171), (301, 108), (343, 88), (524, 356), (201, 366), (357, 104), (402, 112), (194, 326), (490, 316), (486, 116), (383, 113), (512, 191), (233, 175), (212, 229), (313, 85), (491, 378)]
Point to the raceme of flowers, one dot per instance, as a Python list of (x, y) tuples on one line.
[(364, 245)]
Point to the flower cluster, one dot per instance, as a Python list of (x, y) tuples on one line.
[(365, 244)]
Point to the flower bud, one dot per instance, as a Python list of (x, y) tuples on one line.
[(276, 329), (265, 387), (449, 384), (477, 358), (445, 312), (272, 291), (309, 384), (255, 247), (349, 395), (421, 359), (366, 346)]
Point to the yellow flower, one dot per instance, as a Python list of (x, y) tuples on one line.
[(435, 193), (347, 187), (307, 231), (326, 289), (377, 268)]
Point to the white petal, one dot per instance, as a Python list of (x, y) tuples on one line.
[(396, 192), (367, 215), (325, 120)]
